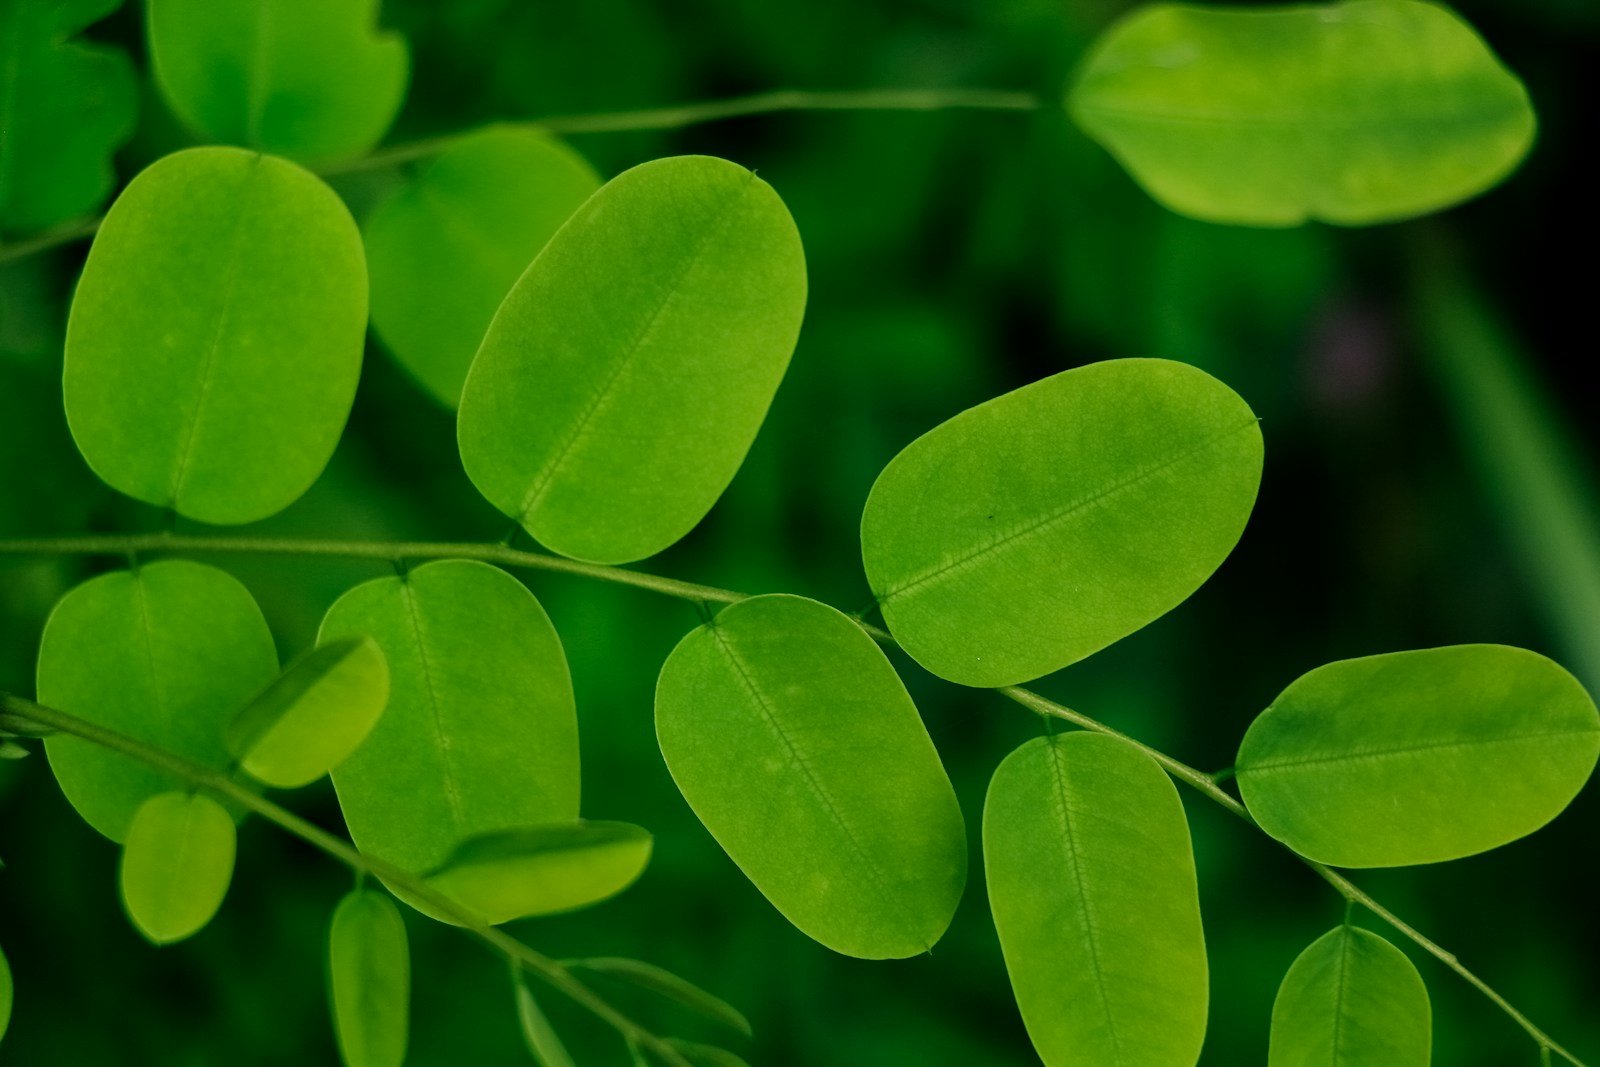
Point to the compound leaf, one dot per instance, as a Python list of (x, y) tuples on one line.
[(1037, 528), (176, 865), (215, 337), (1418, 757), (544, 1044), (794, 741), (1349, 1000), (625, 376), (543, 870), (663, 982), (369, 973)]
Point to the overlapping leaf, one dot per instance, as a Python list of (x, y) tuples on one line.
[(176, 864), (543, 870)]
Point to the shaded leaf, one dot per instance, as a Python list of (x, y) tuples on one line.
[(369, 974), (7, 994), (543, 870), (542, 1040), (1350, 1000), (705, 1055), (176, 865), (661, 981)]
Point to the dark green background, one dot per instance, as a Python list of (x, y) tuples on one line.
[(952, 256)]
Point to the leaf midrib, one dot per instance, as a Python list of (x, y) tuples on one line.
[(1366, 755)]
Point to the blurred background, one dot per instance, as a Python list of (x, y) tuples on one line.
[(1431, 439)]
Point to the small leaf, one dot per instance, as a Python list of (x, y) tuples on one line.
[(310, 718), (1418, 757), (1092, 883), (308, 79), (160, 654), (176, 865), (12, 750), (216, 333), (7, 994), (794, 741), (542, 1040), (369, 969), (1351, 1000), (705, 1055), (445, 250), (543, 870), (1038, 528), (663, 982), (627, 372), (1354, 113)]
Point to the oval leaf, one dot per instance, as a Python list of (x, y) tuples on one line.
[(1352, 113), (705, 1055), (162, 654), (543, 870), (1092, 885), (308, 79), (1037, 528), (369, 973), (664, 983), (313, 715), (444, 251), (796, 744), (1418, 757), (625, 376), (6, 994), (544, 1044), (215, 337), (1351, 1000), (176, 865)]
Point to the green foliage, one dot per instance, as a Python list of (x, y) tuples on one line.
[(1351, 1000), (176, 865), (1357, 112), (705, 1055), (65, 106), (7, 994), (163, 654), (369, 980), (1417, 757), (655, 979), (794, 741), (445, 248), (543, 870), (544, 1044), (649, 335), (307, 79), (1092, 884), (216, 334), (313, 715), (1041, 526)]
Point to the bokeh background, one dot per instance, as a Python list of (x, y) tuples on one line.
[(1428, 405)]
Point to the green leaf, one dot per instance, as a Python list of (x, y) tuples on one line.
[(216, 335), (1092, 884), (794, 741), (7, 994), (1037, 528), (1351, 1000), (308, 79), (480, 733), (67, 106), (657, 980), (542, 1040), (310, 718), (1418, 757), (445, 249), (1353, 113), (705, 1055), (176, 865), (625, 376), (161, 654), (543, 870), (369, 974)]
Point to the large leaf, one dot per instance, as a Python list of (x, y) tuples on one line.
[(1092, 885), (1417, 757), (176, 864), (216, 334), (626, 374), (1354, 113), (65, 106), (445, 249), (543, 870), (369, 976), (1351, 1000), (1037, 528), (164, 654), (795, 743), (308, 79)]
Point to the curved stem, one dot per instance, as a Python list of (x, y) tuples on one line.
[(43, 242)]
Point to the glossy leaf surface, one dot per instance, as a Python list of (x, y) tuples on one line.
[(369, 973), (543, 870), (176, 865), (1350, 1000)]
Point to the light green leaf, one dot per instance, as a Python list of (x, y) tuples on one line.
[(627, 372), (1037, 528), (176, 865), (480, 733), (542, 1040), (445, 249), (216, 334), (1418, 757), (161, 654), (369, 973), (308, 79), (310, 718), (7, 994), (663, 982), (543, 870), (796, 744), (1351, 1000), (705, 1055), (1092, 885), (65, 107), (1353, 113)]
